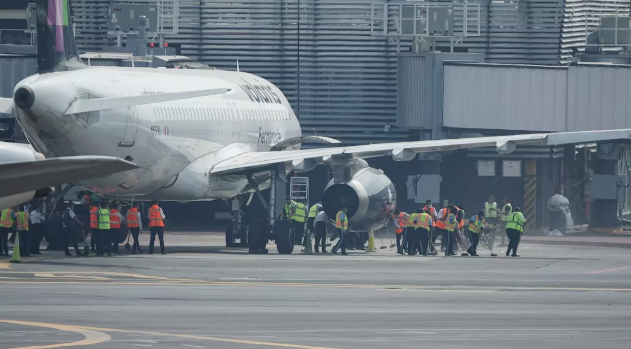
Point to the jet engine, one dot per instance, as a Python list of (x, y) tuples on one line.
[(369, 196)]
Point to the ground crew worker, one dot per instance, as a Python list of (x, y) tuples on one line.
[(94, 228), (36, 230), (104, 242), (134, 223), (7, 223), (299, 217), (514, 229), (400, 224), (439, 228), (22, 226), (460, 218), (507, 210), (115, 226), (476, 225), (68, 223), (411, 235), (313, 211), (490, 210), (320, 222), (156, 226), (424, 225), (341, 223), (289, 210), (450, 227)]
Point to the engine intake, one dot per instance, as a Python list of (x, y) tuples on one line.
[(370, 199)]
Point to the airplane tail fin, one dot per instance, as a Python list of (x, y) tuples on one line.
[(56, 47)]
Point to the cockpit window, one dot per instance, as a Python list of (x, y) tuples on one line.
[(189, 65)]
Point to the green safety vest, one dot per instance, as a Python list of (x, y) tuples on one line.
[(313, 211), (487, 209), (290, 209), (516, 221), (510, 211), (6, 221), (301, 213), (413, 220), (104, 218), (475, 224)]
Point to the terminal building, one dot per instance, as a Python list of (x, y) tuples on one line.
[(375, 71)]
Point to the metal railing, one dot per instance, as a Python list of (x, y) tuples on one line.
[(17, 37)]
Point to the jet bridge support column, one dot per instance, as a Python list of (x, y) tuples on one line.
[(605, 189)]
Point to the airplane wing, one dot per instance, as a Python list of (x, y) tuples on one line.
[(407, 150), (87, 105), (20, 177), (6, 105)]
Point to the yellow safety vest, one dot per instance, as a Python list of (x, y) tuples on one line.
[(424, 221), (413, 221), (450, 224), (301, 213), (22, 221), (341, 223), (516, 221), (510, 211), (290, 209), (487, 209), (6, 221), (475, 224), (104, 219), (313, 211)]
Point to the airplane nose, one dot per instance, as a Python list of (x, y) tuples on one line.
[(24, 98)]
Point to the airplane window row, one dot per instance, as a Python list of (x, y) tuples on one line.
[(174, 113)]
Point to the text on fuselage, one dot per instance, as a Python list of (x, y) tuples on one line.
[(260, 93)]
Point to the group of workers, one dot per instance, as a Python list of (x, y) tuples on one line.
[(105, 220), (418, 232), (316, 222), (27, 225)]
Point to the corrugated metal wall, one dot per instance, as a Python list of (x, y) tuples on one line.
[(13, 69), (414, 81), (504, 97), (598, 98)]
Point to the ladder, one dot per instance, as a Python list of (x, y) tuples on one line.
[(299, 189)]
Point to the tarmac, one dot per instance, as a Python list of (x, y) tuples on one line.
[(203, 295)]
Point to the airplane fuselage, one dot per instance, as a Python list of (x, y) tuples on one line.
[(175, 143)]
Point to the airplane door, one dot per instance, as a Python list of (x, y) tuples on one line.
[(131, 127)]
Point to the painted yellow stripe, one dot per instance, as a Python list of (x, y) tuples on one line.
[(91, 336)]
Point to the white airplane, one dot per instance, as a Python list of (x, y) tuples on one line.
[(205, 134), (25, 174)]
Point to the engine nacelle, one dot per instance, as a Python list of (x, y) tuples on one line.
[(369, 196)]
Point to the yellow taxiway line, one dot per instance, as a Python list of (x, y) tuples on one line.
[(91, 336)]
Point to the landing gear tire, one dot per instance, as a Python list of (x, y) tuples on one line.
[(284, 233), (244, 235), (230, 241)]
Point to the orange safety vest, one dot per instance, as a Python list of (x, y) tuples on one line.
[(94, 220), (132, 219), (401, 222), (115, 221), (155, 219), (461, 224), (440, 224)]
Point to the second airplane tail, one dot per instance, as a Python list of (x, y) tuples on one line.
[(56, 47)]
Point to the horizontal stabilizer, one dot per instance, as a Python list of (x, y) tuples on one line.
[(87, 105), (20, 177), (6, 105)]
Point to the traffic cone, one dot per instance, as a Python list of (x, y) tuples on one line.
[(371, 242), (16, 249), (308, 248)]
